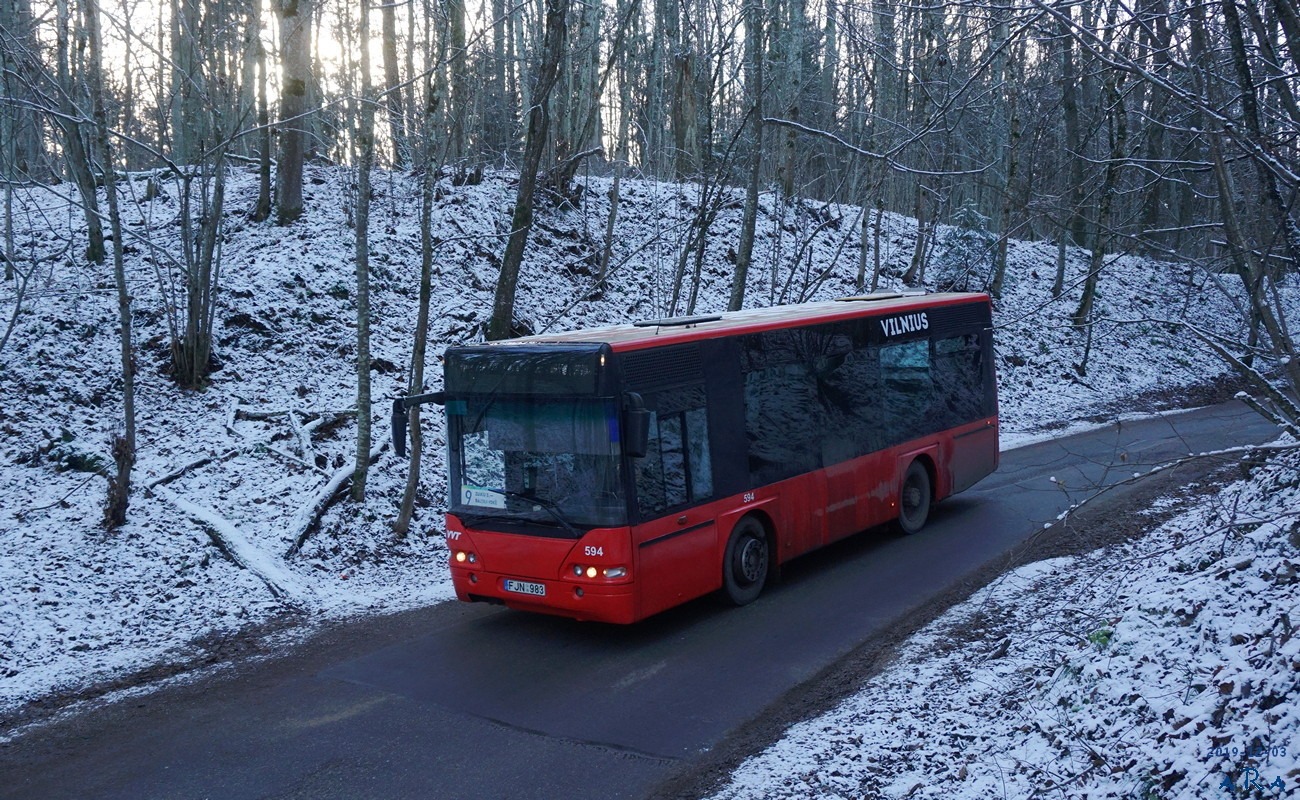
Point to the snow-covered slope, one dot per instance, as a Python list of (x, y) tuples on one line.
[(1168, 666), (256, 448)]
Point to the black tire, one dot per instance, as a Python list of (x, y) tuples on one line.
[(745, 564), (914, 498)]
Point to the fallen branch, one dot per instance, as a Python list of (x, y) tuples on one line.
[(308, 518), (22, 515), (1246, 450), (231, 541), (230, 421), (1284, 413), (1269, 414), (292, 459), (304, 438), (184, 468), (250, 413)]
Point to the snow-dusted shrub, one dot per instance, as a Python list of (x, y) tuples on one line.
[(964, 260)]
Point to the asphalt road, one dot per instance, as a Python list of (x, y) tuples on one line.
[(476, 701)]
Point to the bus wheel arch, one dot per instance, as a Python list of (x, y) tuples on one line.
[(916, 494), (748, 560)]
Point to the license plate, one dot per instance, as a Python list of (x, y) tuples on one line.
[(524, 587)]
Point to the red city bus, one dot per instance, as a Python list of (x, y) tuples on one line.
[(610, 474)]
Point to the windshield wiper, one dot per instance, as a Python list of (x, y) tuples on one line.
[(551, 507)]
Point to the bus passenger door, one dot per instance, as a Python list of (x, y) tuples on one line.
[(677, 538), (974, 455)]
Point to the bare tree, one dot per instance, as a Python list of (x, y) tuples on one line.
[(419, 348), (295, 78), (119, 483), (393, 95), (262, 210), (365, 160), (70, 118), (460, 106), (755, 47), (501, 325)]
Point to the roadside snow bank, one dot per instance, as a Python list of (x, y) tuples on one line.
[(1166, 667)]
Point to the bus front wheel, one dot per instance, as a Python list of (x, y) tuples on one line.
[(914, 498), (744, 567)]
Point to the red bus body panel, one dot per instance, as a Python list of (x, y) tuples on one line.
[(677, 558)]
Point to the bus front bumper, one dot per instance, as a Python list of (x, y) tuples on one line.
[(591, 602)]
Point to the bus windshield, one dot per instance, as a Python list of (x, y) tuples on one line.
[(549, 462)]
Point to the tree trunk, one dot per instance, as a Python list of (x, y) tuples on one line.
[(415, 384), (923, 228), (754, 57), (497, 115), (393, 86), (1273, 196), (21, 73), (685, 113), (1157, 36), (261, 211), (119, 484), (1115, 99), (501, 326), (793, 51), (191, 134), (1078, 225), (620, 165), (1288, 14), (824, 113), (1010, 122), (1058, 285), (365, 158), (1005, 208), (76, 158), (192, 354), (875, 241), (295, 66), (457, 149), (9, 143)]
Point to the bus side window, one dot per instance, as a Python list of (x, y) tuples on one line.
[(677, 468), (850, 394), (784, 419), (697, 444), (907, 388), (959, 378)]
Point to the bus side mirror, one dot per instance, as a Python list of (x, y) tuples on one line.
[(399, 427), (403, 404), (636, 426)]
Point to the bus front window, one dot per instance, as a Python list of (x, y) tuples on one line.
[(554, 462)]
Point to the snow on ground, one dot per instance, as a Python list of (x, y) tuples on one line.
[(1165, 667), (249, 454)]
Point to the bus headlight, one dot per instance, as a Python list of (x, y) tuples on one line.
[(592, 573), (465, 557)]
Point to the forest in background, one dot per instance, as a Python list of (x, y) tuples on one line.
[(1161, 127)]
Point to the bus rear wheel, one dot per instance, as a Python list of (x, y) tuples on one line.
[(914, 498), (745, 564)]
